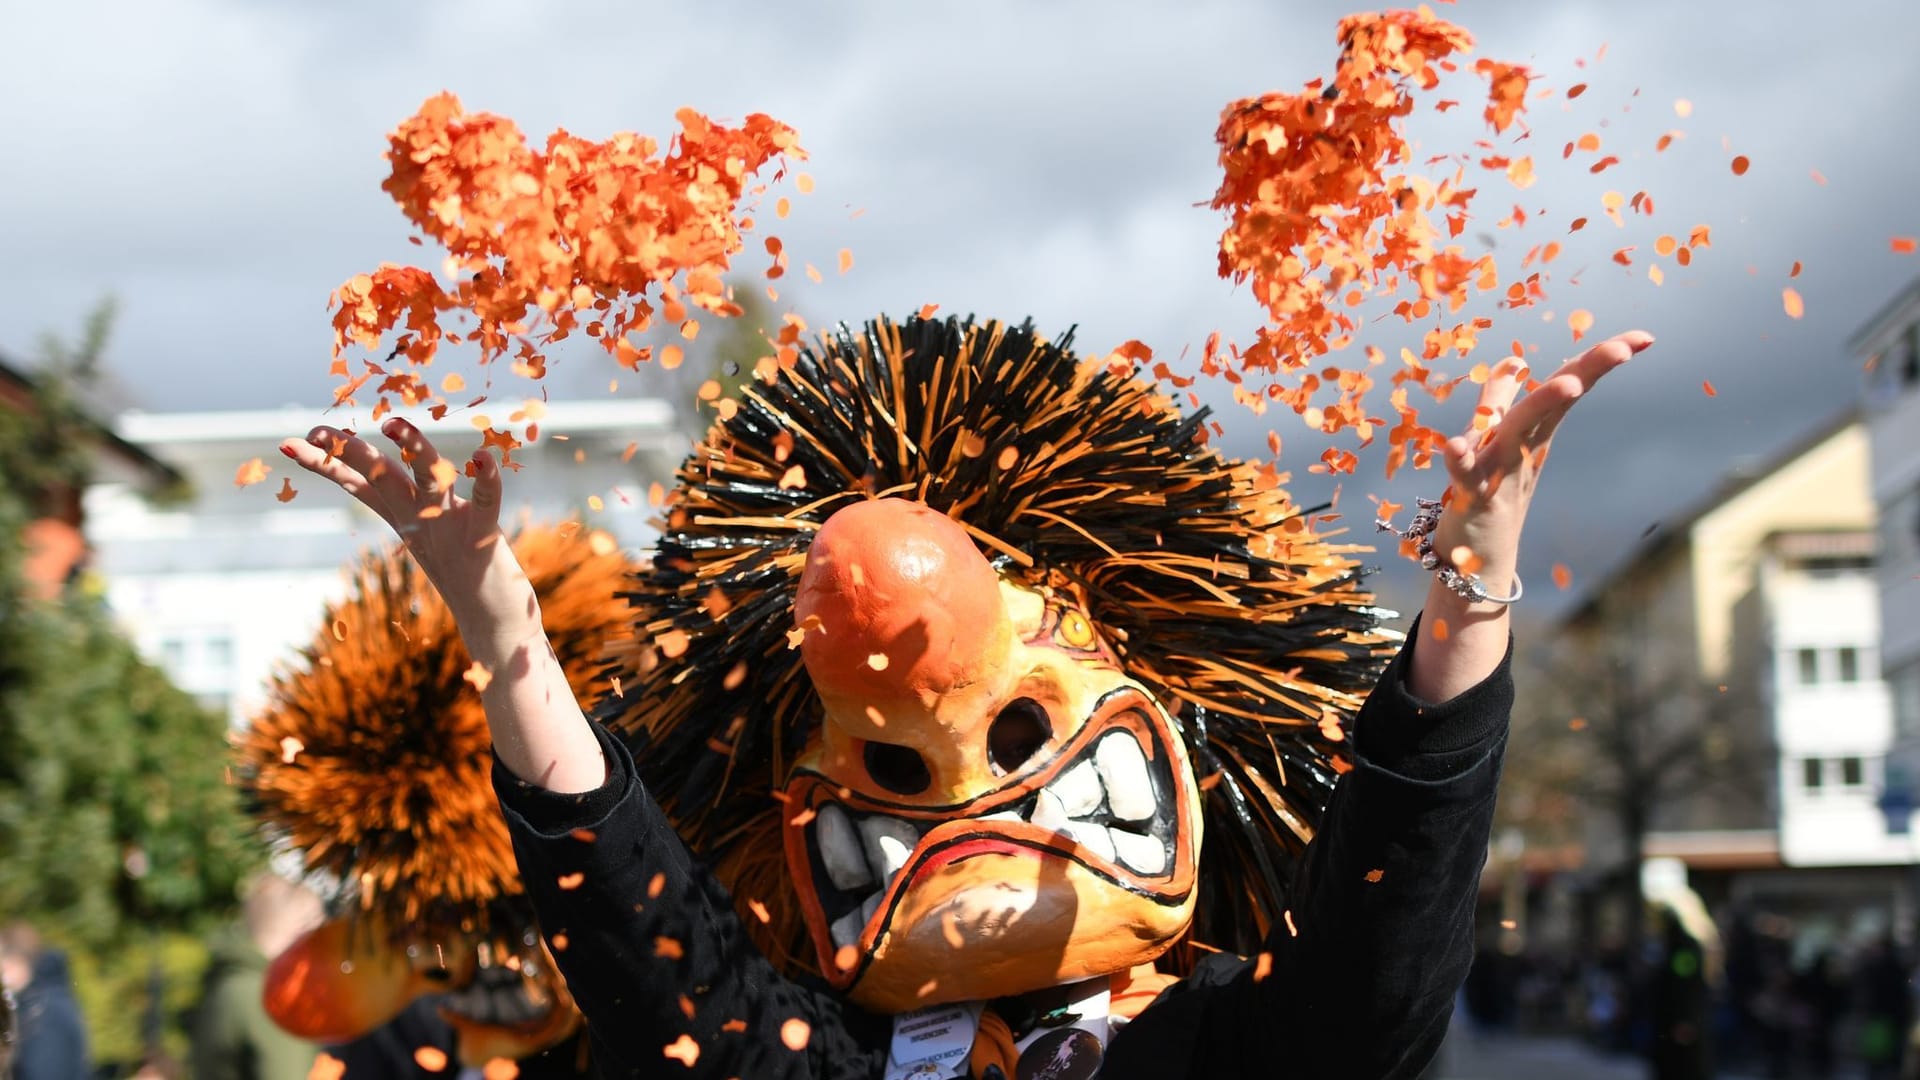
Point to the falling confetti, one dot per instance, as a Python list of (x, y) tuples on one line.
[(683, 1050), (251, 472), (1790, 299), (580, 237), (795, 1033)]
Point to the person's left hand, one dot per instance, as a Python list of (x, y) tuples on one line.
[(1495, 468), (1496, 465)]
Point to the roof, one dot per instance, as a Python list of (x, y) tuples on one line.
[(254, 425), (1892, 316), (1670, 533), (17, 378)]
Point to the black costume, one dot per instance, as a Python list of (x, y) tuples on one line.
[(1383, 909)]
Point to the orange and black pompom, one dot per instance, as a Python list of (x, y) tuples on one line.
[(372, 758), (1214, 588)]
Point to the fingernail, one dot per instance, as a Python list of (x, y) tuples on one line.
[(287, 451)]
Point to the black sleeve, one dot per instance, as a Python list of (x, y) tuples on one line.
[(651, 947), (1361, 974)]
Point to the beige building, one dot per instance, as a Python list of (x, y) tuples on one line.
[(1736, 693)]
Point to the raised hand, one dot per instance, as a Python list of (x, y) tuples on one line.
[(537, 726), (1495, 468), (456, 540)]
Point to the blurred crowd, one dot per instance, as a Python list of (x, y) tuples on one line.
[(1756, 999)]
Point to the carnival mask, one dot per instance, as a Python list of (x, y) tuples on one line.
[(992, 805)]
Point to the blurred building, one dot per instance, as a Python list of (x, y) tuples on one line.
[(219, 589), (54, 535), (1888, 347), (1740, 648)]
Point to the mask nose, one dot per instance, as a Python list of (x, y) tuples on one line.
[(909, 616)]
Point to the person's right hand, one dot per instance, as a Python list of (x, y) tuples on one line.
[(456, 540)]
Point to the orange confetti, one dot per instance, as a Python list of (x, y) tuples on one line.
[(1440, 631), (667, 948), (683, 1050), (286, 493), (1577, 724), (479, 676), (327, 1067), (1374, 876), (1708, 387), (1287, 915), (430, 1058), (1007, 459), (846, 259), (877, 661), (671, 357), (795, 1033), (1262, 966), (500, 1069), (845, 957), (1683, 108), (1795, 272), (673, 643), (1580, 322), (795, 477), (1790, 299), (1562, 577), (1740, 165), (290, 748), (760, 911), (1905, 245), (570, 882), (251, 472)]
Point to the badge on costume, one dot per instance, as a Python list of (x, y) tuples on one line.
[(1073, 1036), (933, 1043)]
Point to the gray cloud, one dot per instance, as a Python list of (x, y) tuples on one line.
[(217, 163)]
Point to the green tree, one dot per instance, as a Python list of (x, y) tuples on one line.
[(121, 839)]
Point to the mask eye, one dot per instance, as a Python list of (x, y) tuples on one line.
[(1017, 734), (1074, 631), (899, 769)]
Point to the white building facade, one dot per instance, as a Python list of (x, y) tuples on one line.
[(220, 590), (1832, 714)]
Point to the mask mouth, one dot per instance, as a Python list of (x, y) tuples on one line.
[(509, 995), (1108, 802)]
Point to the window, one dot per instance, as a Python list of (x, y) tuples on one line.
[(220, 653), (1853, 772), (1812, 773), (1849, 664), (1809, 666), (173, 655)]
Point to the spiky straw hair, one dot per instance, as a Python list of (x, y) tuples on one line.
[(1199, 571), (372, 757)]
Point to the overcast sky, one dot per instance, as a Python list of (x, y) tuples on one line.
[(216, 164)]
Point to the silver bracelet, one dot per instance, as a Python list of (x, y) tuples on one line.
[(1468, 587)]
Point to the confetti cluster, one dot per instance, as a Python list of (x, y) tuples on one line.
[(1329, 220), (600, 238)]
